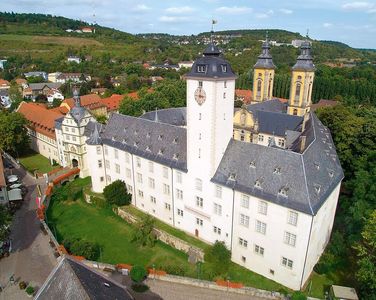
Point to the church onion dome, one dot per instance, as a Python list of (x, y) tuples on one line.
[(211, 65), (265, 60), (305, 60)]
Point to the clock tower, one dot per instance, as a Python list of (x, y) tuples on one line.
[(210, 109)]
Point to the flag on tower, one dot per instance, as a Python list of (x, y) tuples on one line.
[(214, 22)]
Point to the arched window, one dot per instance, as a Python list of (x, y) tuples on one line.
[(297, 92), (259, 87), (295, 112)]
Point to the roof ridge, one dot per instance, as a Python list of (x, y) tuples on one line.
[(144, 119), (306, 185)]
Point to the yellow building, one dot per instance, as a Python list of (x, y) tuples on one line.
[(303, 73), (245, 125), (263, 76)]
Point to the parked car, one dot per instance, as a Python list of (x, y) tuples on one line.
[(16, 186), (12, 178)]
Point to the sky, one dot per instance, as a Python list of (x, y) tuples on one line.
[(351, 22)]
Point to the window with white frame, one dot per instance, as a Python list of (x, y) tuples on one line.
[(180, 212), (179, 194), (99, 150), (117, 168), (263, 207), (165, 172), (100, 165), (199, 221), (198, 184), (218, 209), (243, 242), (166, 189), (105, 150), (289, 238), (199, 201), (107, 164), (261, 138), (128, 173), (153, 199), (129, 188), (116, 152), (260, 227), (292, 218), (288, 263), (217, 230), (141, 193), (218, 191), (139, 177), (179, 178), (151, 167), (244, 201), (108, 177), (259, 250), (151, 183), (101, 178), (167, 206), (138, 162), (244, 220)]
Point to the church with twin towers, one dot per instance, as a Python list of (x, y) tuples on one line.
[(263, 178)]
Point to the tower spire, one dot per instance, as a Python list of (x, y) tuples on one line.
[(212, 49)]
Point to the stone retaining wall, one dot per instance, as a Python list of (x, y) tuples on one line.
[(167, 238)]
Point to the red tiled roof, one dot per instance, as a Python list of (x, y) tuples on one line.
[(85, 100), (113, 101), (20, 81), (245, 94), (4, 82), (41, 119), (60, 109), (2, 177)]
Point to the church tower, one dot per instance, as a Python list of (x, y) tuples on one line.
[(210, 110), (263, 75), (303, 73)]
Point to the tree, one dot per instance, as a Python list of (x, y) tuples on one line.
[(144, 234), (101, 118), (5, 220), (89, 250), (138, 273), (116, 193), (366, 252), (298, 295), (128, 106), (219, 257), (14, 137), (15, 96)]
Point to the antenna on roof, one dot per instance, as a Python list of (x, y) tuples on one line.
[(212, 29)]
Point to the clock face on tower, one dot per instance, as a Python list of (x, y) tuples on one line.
[(200, 95)]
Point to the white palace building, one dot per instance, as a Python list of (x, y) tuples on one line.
[(272, 203)]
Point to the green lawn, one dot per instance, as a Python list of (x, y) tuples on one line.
[(35, 161), (113, 234)]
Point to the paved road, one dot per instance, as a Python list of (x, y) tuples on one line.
[(32, 258)]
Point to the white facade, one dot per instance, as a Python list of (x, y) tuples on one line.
[(271, 239)]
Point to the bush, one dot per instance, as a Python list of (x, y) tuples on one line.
[(283, 291), (84, 248), (297, 295), (22, 285), (116, 193), (30, 290), (143, 233), (138, 274), (139, 287), (219, 257), (174, 269), (100, 202)]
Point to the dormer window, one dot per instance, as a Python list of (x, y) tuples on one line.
[(317, 166), (331, 173), (232, 176), (317, 188), (277, 170), (224, 68), (160, 152), (258, 184), (201, 68), (160, 137), (135, 144), (283, 191), (148, 135), (135, 132), (252, 164), (113, 139), (124, 141), (175, 141), (176, 156), (148, 148)]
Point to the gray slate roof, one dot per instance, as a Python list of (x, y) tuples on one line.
[(265, 60), (59, 123), (305, 60), (39, 86), (214, 65), (72, 280), (273, 105), (276, 123), (174, 116), (159, 142), (95, 138), (306, 178)]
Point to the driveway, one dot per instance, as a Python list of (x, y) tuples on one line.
[(31, 259)]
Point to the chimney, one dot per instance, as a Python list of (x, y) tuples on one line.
[(302, 143)]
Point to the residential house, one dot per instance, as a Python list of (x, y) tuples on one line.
[(72, 77), (185, 64), (36, 89), (54, 94), (2, 63), (92, 102), (4, 98), (75, 59), (87, 30), (243, 95), (4, 84), (52, 77), (42, 74)]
